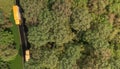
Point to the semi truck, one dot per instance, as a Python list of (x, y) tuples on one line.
[(17, 18)]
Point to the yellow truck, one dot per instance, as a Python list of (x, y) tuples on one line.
[(17, 16), (27, 55)]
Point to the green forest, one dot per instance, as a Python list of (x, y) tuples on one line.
[(64, 34)]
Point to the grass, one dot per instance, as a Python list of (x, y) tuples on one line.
[(17, 63)]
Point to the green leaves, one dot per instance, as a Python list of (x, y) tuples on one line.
[(50, 29), (4, 65), (80, 19), (68, 24), (6, 38), (114, 8), (7, 51), (6, 6), (69, 57), (32, 10), (98, 53), (42, 59), (100, 29), (1, 18)]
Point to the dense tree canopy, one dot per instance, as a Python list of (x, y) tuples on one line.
[(50, 59), (100, 29), (31, 14), (69, 57), (42, 59), (57, 29), (80, 19), (50, 29), (114, 7)]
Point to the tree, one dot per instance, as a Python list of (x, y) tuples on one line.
[(50, 29), (62, 7), (6, 38), (4, 21), (8, 53), (79, 3), (32, 10), (80, 19), (114, 8), (96, 59), (100, 30), (68, 59), (6, 6), (7, 49), (73, 34), (97, 6), (116, 23), (98, 50), (47, 58), (115, 42), (41, 59), (1, 18), (4, 65)]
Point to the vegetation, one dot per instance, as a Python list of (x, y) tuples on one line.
[(52, 59), (8, 49), (6, 6), (74, 34), (4, 65), (50, 29), (65, 34)]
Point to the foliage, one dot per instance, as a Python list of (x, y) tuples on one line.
[(98, 6), (6, 38), (100, 30), (50, 29), (4, 65), (80, 19), (62, 27), (62, 7), (7, 53), (98, 52), (114, 8), (116, 52), (116, 23), (79, 3), (96, 59), (4, 20), (7, 50), (6, 6), (1, 18), (32, 9), (42, 58), (69, 56)]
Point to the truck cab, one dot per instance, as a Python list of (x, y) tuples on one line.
[(17, 16)]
